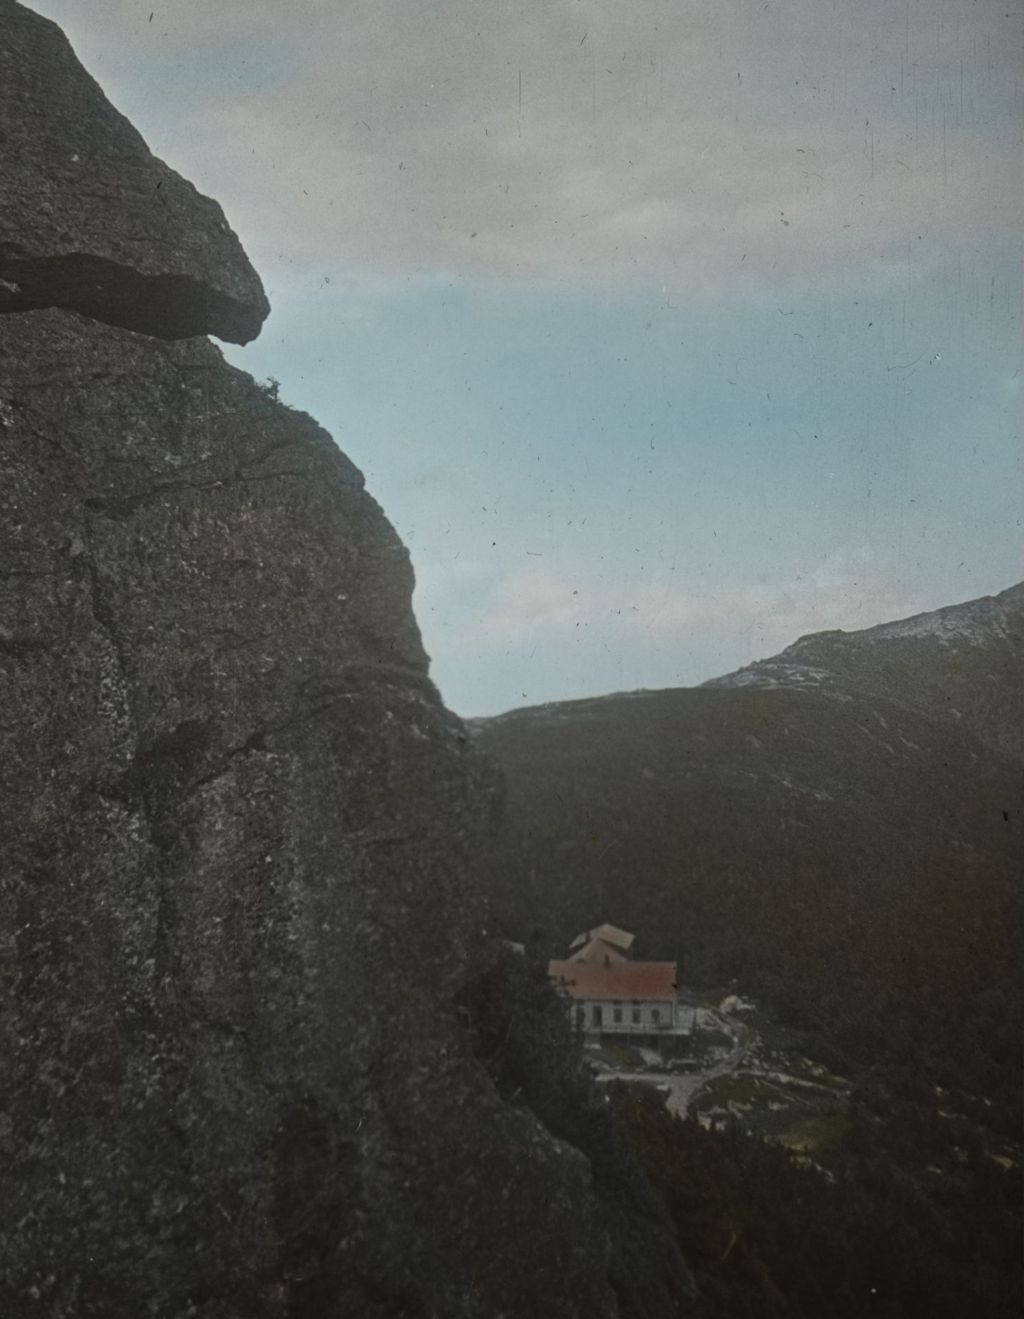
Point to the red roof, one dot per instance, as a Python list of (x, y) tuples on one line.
[(623, 981)]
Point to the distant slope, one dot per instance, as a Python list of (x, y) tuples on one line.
[(838, 827), (964, 663)]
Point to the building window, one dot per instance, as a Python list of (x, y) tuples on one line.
[(596, 1016), (656, 1015), (580, 1018), (636, 1016), (617, 1016)]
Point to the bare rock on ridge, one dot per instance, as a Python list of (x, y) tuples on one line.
[(90, 220)]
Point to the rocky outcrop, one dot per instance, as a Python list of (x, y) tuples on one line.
[(237, 902), (91, 221)]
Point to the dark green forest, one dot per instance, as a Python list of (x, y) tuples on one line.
[(767, 1238)]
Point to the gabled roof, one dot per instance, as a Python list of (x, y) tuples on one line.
[(597, 950), (625, 981), (609, 934)]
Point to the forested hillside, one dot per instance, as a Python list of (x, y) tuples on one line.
[(835, 831), (844, 855)]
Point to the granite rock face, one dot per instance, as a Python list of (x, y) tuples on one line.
[(91, 221), (237, 901)]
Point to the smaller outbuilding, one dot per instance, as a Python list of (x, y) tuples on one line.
[(605, 944)]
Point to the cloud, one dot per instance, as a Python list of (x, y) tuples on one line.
[(547, 633), (849, 589), (582, 144)]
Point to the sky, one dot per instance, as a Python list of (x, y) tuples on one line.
[(664, 332)]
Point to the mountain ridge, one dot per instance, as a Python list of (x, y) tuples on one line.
[(794, 666), (945, 639)]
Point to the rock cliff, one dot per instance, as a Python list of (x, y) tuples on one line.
[(237, 903)]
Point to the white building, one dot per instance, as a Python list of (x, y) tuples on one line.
[(609, 994)]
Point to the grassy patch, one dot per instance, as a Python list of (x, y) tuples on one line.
[(816, 1133), (621, 1055)]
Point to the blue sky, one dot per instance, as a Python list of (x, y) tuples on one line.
[(662, 337)]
